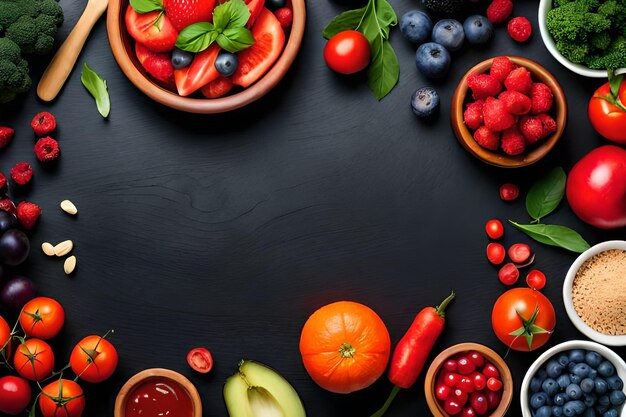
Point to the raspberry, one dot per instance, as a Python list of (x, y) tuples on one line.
[(7, 205), (3, 184), (532, 129), (512, 142), (519, 29), (515, 102), (473, 114), (21, 173), (6, 134), (43, 124), (28, 213), (285, 17), (495, 115), (549, 124), (541, 97), (519, 80), (499, 10), (483, 86), (501, 67), (487, 139), (47, 149)]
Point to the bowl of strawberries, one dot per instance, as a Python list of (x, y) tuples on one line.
[(205, 56), (508, 111)]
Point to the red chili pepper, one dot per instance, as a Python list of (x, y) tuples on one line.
[(413, 349)]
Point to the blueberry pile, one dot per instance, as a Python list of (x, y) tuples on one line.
[(577, 383)]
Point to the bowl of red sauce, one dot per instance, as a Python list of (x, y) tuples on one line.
[(158, 392)]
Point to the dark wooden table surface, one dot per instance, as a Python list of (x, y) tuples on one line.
[(228, 231)]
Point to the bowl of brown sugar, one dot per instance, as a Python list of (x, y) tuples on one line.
[(594, 293)]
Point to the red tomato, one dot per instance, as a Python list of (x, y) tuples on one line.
[(509, 192), (527, 312), (452, 406), (201, 71), (14, 395), (494, 229), (465, 366), (34, 359), (607, 114), (200, 360), (451, 379), (519, 253), (490, 371), (5, 333), (479, 380), (508, 274), (479, 403), (494, 384), (468, 412), (495, 253), (62, 398), (477, 359), (442, 391), (347, 52), (153, 30), (94, 359), (450, 365), (42, 317), (536, 279)]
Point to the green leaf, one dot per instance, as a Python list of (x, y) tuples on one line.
[(232, 14), (384, 71), (546, 194), (146, 6), (386, 16), (97, 87), (554, 235), (348, 20), (235, 39), (196, 37)]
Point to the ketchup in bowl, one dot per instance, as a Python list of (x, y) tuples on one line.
[(158, 397)]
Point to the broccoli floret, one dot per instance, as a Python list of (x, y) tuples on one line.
[(14, 77), (615, 12), (31, 24), (570, 22), (613, 58), (600, 41), (575, 52)]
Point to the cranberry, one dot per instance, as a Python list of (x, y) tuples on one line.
[(509, 192)]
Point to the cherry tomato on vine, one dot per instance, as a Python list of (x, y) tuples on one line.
[(536, 279), (347, 52), (200, 360), (42, 317), (34, 359), (94, 359), (494, 229), (607, 112), (62, 398), (15, 394)]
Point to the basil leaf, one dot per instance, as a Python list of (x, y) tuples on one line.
[(235, 39), (384, 70), (386, 16), (146, 6), (196, 37), (554, 235), (546, 194), (232, 14), (348, 20), (97, 87)]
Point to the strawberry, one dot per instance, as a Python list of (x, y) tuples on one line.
[(515, 102), (532, 129), (28, 213), (473, 114), (496, 117), (7, 205), (519, 80), (217, 88), (159, 65), (541, 97), (483, 86), (499, 10), (512, 142), (501, 67), (487, 139), (183, 13), (6, 134), (153, 30), (519, 29), (285, 17), (548, 123)]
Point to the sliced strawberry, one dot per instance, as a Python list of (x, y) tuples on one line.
[(183, 13), (256, 60), (255, 7), (153, 30), (201, 71), (217, 88), (159, 65)]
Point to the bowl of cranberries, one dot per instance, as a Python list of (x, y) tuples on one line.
[(508, 111), (468, 380), (205, 56)]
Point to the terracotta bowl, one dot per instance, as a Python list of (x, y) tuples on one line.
[(500, 159), (157, 373), (122, 46), (431, 375)]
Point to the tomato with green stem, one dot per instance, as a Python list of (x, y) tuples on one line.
[(607, 109), (94, 359), (62, 398), (42, 317), (34, 359)]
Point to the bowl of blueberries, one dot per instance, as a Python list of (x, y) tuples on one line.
[(575, 378)]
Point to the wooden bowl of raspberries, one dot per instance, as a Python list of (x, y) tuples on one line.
[(508, 111)]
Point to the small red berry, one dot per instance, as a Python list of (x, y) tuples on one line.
[(7, 205), (43, 124), (47, 149), (536, 279), (509, 192), (3, 184), (285, 17), (494, 229), (28, 213), (22, 173), (508, 274), (495, 253), (6, 134), (519, 29), (499, 10)]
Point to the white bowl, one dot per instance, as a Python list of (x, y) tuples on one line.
[(544, 7), (614, 358), (567, 294)]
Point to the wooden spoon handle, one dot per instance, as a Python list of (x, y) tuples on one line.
[(61, 65)]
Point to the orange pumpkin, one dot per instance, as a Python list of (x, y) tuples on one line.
[(345, 346)]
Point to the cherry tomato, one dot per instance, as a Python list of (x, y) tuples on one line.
[(466, 384), (520, 253), (34, 359), (494, 229), (200, 360), (5, 333), (607, 114), (442, 391), (15, 395), (495, 253), (494, 384), (536, 279), (490, 371), (479, 380), (509, 192), (465, 366), (477, 359), (452, 406), (347, 52), (62, 398), (450, 365), (42, 317), (94, 359), (468, 412), (479, 403), (451, 379), (459, 396), (508, 274)]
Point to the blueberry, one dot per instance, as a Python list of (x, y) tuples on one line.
[(604, 400), (563, 360), (554, 368), (416, 26), (275, 4), (181, 59), (557, 411), (617, 398), (590, 412), (425, 102), (587, 385), (576, 379), (606, 369), (449, 33), (593, 359), (226, 63), (581, 369), (478, 30), (601, 409), (541, 374), (535, 384), (615, 382), (550, 387), (560, 398), (563, 381), (611, 412), (570, 366), (538, 400), (601, 386), (593, 373), (590, 399), (545, 411), (432, 60), (573, 408), (577, 355), (574, 392)]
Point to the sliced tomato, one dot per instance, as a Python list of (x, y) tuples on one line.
[(153, 30), (255, 7), (201, 71), (217, 88), (256, 60), (157, 64)]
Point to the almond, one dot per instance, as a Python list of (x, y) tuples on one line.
[(69, 265), (63, 248), (47, 248), (69, 207)]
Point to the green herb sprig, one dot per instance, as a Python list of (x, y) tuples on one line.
[(374, 21), (97, 87), (146, 6)]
